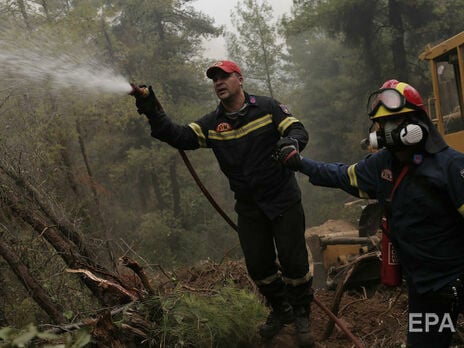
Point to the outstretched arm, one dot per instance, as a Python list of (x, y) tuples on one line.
[(359, 179), (162, 127)]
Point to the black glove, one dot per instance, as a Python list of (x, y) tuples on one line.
[(286, 152), (148, 104)]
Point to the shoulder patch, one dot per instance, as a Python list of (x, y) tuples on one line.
[(417, 159), (223, 127), (462, 173), (285, 109)]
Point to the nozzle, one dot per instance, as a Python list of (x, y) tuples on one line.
[(139, 91)]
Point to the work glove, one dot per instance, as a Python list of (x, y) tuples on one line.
[(148, 104), (286, 153)]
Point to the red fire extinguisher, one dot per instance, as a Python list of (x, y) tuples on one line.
[(391, 269), (390, 273)]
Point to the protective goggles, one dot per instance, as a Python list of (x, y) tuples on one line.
[(390, 98)]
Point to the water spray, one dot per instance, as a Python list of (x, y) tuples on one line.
[(49, 60)]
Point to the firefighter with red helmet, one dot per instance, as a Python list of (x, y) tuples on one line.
[(419, 180), (242, 132)]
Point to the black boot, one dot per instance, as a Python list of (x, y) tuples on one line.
[(280, 315), (303, 327)]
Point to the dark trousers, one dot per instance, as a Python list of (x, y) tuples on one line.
[(433, 316), (265, 241)]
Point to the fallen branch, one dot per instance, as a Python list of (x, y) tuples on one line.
[(341, 288), (349, 304), (199, 290), (105, 283), (339, 323), (58, 329), (133, 265)]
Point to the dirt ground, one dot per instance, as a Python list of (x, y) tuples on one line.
[(377, 321), (375, 316)]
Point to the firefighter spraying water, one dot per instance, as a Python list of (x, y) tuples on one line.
[(274, 323), (243, 132)]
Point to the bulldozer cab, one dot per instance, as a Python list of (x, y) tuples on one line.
[(446, 107)]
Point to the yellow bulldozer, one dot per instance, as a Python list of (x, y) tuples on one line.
[(332, 253), (446, 106)]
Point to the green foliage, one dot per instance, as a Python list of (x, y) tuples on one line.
[(330, 102), (256, 47), (30, 336), (161, 240), (226, 319)]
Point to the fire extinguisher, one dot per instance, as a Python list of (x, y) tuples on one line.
[(391, 269)]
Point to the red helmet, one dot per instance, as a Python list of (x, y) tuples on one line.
[(394, 98)]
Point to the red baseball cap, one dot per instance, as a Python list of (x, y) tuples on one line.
[(225, 65)]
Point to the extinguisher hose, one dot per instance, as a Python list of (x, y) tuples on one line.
[(203, 189)]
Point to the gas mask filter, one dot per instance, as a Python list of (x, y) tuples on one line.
[(394, 136)]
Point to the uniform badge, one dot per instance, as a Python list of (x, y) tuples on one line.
[(285, 109), (223, 127), (462, 173), (386, 174), (417, 159), (252, 100)]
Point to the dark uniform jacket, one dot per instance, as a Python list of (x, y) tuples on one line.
[(427, 208), (243, 144)]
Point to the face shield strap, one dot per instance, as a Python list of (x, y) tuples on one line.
[(434, 142)]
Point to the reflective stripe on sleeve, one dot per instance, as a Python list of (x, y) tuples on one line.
[(200, 135), (354, 180), (461, 210), (286, 122)]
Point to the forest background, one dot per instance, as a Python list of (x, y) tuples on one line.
[(83, 183)]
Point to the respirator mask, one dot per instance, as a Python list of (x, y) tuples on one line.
[(400, 120), (396, 136)]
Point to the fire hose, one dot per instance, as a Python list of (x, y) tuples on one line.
[(144, 92)]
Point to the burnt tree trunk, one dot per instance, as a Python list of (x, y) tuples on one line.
[(65, 227), (35, 290), (66, 249)]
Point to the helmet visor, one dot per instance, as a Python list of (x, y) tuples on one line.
[(390, 98)]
